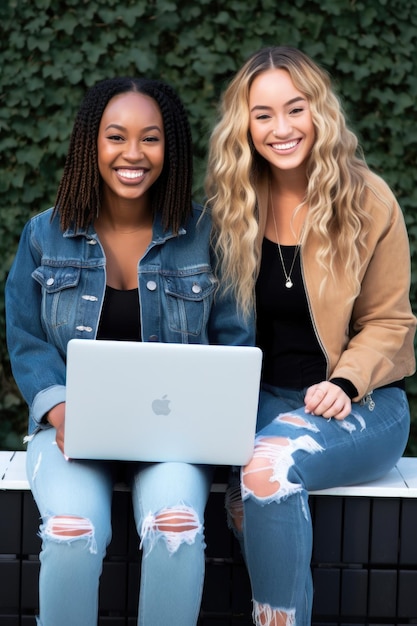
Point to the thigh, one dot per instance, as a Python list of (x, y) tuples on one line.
[(156, 486), (329, 452), (67, 487)]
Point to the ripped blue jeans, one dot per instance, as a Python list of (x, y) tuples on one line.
[(296, 453), (74, 499)]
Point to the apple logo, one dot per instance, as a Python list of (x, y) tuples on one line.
[(160, 406)]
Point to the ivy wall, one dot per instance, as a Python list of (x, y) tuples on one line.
[(51, 51)]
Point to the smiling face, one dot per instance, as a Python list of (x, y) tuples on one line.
[(281, 124), (130, 146)]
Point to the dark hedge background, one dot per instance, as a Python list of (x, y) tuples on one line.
[(51, 51)]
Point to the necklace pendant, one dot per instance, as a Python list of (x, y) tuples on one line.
[(288, 283)]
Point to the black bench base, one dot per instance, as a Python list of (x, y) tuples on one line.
[(364, 563)]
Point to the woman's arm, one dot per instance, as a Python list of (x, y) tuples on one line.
[(37, 365), (227, 324)]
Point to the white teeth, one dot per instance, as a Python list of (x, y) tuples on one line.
[(131, 174), (285, 146)]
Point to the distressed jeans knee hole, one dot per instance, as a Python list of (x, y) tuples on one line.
[(265, 478), (176, 525), (69, 528), (264, 615)]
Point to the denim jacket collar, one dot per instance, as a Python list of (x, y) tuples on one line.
[(159, 235)]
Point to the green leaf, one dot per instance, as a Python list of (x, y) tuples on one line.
[(30, 155), (67, 23)]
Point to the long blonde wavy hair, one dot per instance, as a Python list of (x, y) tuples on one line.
[(237, 180)]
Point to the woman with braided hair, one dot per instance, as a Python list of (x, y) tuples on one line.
[(122, 237)]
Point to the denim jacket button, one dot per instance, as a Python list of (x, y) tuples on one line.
[(50, 281), (196, 288), (153, 337), (151, 285)]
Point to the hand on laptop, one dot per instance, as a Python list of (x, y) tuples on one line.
[(56, 417)]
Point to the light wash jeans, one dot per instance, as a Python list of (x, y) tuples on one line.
[(312, 453), (74, 500)]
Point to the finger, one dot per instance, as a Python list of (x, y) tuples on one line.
[(323, 401), (60, 441), (344, 412), (339, 410), (329, 406), (313, 399)]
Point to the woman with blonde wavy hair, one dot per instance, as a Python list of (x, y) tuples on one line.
[(313, 237)]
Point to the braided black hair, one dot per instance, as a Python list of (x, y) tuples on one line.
[(78, 197)]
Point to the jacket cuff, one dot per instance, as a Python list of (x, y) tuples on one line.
[(346, 386), (43, 402)]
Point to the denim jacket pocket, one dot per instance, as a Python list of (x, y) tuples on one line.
[(189, 300), (58, 299)]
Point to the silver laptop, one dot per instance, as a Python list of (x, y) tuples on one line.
[(161, 401)]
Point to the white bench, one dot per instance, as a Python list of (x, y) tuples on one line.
[(364, 558), (400, 482)]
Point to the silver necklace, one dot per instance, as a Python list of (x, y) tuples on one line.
[(288, 281)]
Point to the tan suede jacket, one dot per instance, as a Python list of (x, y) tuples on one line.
[(367, 340)]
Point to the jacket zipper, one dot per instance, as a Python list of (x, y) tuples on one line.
[(312, 319)]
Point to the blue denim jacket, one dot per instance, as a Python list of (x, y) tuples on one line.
[(55, 292)]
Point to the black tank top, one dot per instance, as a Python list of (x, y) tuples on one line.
[(293, 357), (120, 317)]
